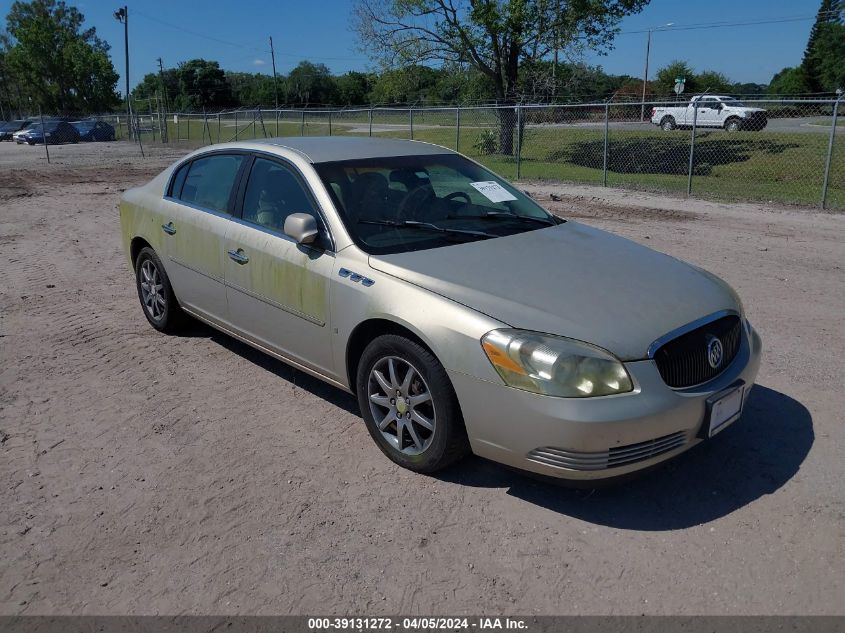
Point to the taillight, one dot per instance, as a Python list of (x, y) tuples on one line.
[(653, 110)]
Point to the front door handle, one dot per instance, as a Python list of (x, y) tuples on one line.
[(168, 228), (238, 256)]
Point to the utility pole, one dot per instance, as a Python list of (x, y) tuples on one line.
[(645, 75), (161, 81), (557, 48), (275, 84), (122, 15)]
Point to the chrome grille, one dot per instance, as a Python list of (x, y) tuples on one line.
[(682, 362), (611, 458)]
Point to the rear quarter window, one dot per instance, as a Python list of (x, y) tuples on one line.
[(178, 181)]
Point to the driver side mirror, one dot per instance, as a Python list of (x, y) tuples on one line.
[(302, 227)]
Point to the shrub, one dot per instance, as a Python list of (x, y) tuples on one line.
[(487, 143)]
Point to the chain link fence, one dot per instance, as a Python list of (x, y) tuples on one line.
[(779, 151)]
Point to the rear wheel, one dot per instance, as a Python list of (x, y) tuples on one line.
[(668, 124), (409, 405), (155, 293)]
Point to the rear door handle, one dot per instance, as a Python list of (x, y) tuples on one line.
[(238, 256), (168, 228)]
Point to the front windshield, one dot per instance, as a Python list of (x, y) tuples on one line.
[(734, 103), (408, 203), (84, 126)]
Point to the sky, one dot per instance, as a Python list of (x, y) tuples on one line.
[(236, 34)]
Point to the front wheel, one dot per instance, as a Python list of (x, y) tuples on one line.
[(409, 405), (155, 293), (733, 125)]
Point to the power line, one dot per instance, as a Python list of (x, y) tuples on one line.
[(718, 25), (242, 46)]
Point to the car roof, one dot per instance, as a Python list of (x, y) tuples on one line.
[(326, 149)]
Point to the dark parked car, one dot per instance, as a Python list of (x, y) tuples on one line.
[(10, 127), (94, 130), (54, 132)]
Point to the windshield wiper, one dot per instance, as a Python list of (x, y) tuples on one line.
[(427, 226), (496, 215)]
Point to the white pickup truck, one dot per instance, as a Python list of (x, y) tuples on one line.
[(713, 111)]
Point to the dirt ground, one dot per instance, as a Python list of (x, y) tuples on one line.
[(146, 474)]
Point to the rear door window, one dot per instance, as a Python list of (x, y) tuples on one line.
[(210, 180)]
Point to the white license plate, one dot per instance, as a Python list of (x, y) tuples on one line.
[(724, 410)]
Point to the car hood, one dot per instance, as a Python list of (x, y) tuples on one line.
[(570, 280)]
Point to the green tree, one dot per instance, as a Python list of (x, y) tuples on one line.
[(829, 59), (58, 64), (353, 88), (253, 89), (165, 85), (310, 83), (664, 82), (712, 81), (461, 83), (497, 37), (789, 81), (824, 56), (202, 84)]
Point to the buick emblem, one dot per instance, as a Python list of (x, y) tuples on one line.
[(715, 352)]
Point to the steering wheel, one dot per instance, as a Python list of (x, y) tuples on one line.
[(415, 198), (458, 194)]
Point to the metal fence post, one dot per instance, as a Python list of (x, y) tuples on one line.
[(411, 121), (263, 127), (152, 127), (218, 127), (44, 134), (606, 129), (457, 129), (277, 122), (826, 179), (330, 122), (236, 125), (518, 142), (136, 129), (371, 121), (692, 148), (176, 116), (188, 125), (302, 125)]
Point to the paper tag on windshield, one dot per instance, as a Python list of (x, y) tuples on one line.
[(493, 191)]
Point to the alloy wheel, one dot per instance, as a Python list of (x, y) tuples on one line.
[(401, 405), (152, 290)]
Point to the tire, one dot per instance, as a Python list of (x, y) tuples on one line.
[(733, 125), (418, 448), (668, 124), (163, 311)]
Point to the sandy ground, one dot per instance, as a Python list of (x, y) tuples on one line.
[(147, 474)]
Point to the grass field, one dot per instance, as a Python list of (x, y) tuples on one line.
[(758, 166)]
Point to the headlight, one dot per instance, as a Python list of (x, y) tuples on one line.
[(553, 365)]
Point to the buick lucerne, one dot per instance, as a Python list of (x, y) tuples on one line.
[(464, 316)]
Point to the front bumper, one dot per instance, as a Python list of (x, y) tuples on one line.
[(646, 426)]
